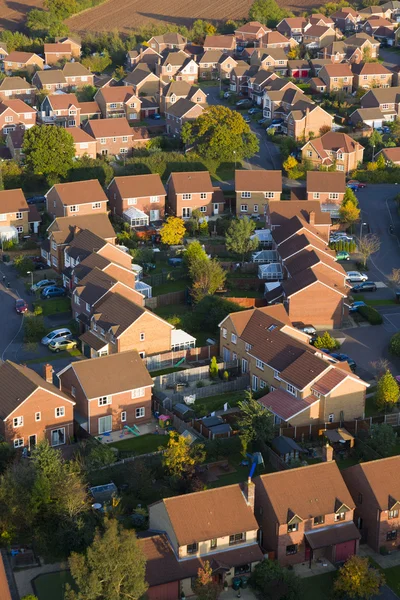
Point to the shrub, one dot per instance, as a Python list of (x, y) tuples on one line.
[(34, 329), (214, 368), (371, 315), (200, 384), (326, 341), (38, 310), (394, 345), (225, 376)]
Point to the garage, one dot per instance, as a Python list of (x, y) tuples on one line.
[(166, 591), (296, 73), (345, 550), (305, 73)]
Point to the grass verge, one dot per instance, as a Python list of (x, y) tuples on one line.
[(54, 306), (143, 444)]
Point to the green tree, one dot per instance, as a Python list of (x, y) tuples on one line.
[(49, 151), (214, 368), (61, 8), (375, 139), (256, 423), (42, 23), (387, 393), (357, 579), (208, 276), (30, 597), (200, 30), (394, 345), (267, 12), (382, 438), (97, 63), (349, 213), (326, 341), (193, 254), (368, 245), (112, 568), (273, 582), (349, 196), (1, 179), (86, 94), (173, 231), (239, 238), (205, 588), (221, 135), (180, 458)]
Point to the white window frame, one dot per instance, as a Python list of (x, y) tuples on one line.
[(104, 401), (186, 196), (38, 417), (259, 364), (244, 207), (140, 412), (154, 199), (96, 205), (203, 195), (123, 416), (245, 195), (224, 332), (138, 393), (59, 412), (333, 196), (331, 418), (18, 442), (291, 389), (316, 196), (74, 208), (18, 215), (18, 422), (233, 338), (269, 195)]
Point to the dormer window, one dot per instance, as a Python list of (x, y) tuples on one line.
[(393, 514), (320, 520), (192, 548), (340, 516), (292, 527)]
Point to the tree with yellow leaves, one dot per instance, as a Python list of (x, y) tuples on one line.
[(349, 212), (173, 231), (180, 457), (356, 579), (205, 588)]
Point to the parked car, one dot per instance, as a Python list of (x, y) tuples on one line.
[(337, 237), (62, 344), (227, 95), (365, 286), (247, 119), (36, 200), (155, 116), (38, 263), (343, 256), (357, 184), (56, 334), (53, 291), (262, 121), (309, 329), (43, 283), (244, 103), (21, 306), (254, 110), (356, 305), (344, 358), (356, 276)]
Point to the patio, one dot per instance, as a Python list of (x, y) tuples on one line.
[(318, 567), (126, 434)]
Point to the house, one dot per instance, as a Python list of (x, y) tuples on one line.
[(118, 101), (305, 386), (15, 113), (73, 42), (257, 84), (110, 392), (84, 143), (32, 409), (306, 515), (336, 52), (137, 197), (118, 324), (61, 109), (51, 80), (377, 11), (3, 50), (54, 53), (368, 118), (17, 88), (385, 99), (334, 148), (318, 36), (292, 27), (250, 33), (226, 64), (328, 188), (143, 81), (240, 75), (14, 142), (374, 487), (223, 43), (179, 66), (255, 190), (13, 213), (320, 20), (63, 230), (77, 76), (367, 46), (279, 213), (89, 110), (375, 23), (371, 75), (193, 190), (83, 197), (209, 64), (168, 41), (113, 136), (274, 39), (337, 77), (299, 69), (178, 113), (304, 119), (280, 92), (22, 61), (391, 155), (346, 19), (177, 90), (113, 264), (144, 55), (271, 59), (215, 525)]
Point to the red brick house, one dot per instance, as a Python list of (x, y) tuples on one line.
[(50, 80), (61, 109), (15, 113), (17, 88), (110, 392), (292, 27), (73, 42), (113, 136), (279, 213), (193, 190), (168, 41), (83, 142), (83, 197), (306, 515), (274, 39), (328, 188), (118, 101), (53, 53), (22, 61), (32, 408), (250, 32), (334, 148), (375, 489), (14, 211), (145, 193)]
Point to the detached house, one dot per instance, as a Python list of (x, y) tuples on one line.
[(371, 75), (110, 392), (143, 81), (73, 42), (144, 55), (82, 197), (255, 190), (83, 142), (334, 148), (223, 43), (22, 61), (209, 64), (15, 113), (168, 41), (328, 188), (306, 515), (250, 33), (32, 409), (53, 53), (77, 76), (305, 119), (51, 80), (178, 65), (367, 46), (216, 525), (61, 109), (14, 212), (181, 90), (337, 77), (118, 101), (318, 36), (346, 19), (385, 105), (178, 113), (138, 199), (17, 88), (375, 490), (113, 136), (292, 27), (274, 39), (193, 190)]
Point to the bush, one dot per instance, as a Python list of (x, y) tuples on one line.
[(394, 345), (200, 384), (371, 315), (23, 265), (34, 329)]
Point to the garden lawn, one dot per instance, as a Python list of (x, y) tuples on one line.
[(241, 474), (204, 406), (54, 356), (143, 444), (171, 286), (393, 578), (319, 587), (52, 585), (54, 306)]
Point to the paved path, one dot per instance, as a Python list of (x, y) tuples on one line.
[(24, 577)]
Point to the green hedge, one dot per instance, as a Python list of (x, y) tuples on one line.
[(371, 315), (388, 175)]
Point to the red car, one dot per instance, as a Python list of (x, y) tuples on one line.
[(357, 184), (21, 306)]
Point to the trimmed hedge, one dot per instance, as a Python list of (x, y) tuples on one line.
[(388, 175), (371, 315)]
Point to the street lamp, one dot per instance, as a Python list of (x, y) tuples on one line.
[(361, 228), (234, 152), (31, 274)]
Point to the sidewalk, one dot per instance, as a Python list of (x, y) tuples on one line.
[(386, 562)]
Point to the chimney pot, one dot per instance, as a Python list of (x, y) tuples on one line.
[(327, 453), (312, 217), (48, 373)]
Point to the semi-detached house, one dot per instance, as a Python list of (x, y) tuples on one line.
[(18, 88), (194, 190), (138, 199), (14, 213), (255, 190), (118, 101), (82, 197), (16, 113)]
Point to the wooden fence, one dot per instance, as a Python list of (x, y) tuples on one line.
[(306, 432), (240, 383), (165, 300), (161, 382), (247, 302), (170, 359), (157, 279)]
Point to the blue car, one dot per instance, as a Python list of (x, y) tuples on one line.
[(344, 358), (155, 116), (356, 305), (53, 292)]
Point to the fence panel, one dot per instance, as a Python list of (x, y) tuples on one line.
[(240, 383), (165, 300), (190, 375), (273, 459), (170, 359)]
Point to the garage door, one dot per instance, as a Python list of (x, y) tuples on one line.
[(304, 73), (295, 73), (167, 591), (345, 550)]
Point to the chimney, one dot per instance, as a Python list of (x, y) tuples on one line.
[(312, 217), (327, 453), (249, 492), (48, 373)]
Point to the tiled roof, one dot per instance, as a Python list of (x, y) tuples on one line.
[(219, 41), (191, 182), (282, 212), (140, 186), (109, 127), (322, 181), (181, 107), (117, 313), (65, 48), (392, 154), (295, 225), (94, 286), (12, 201), (63, 101), (318, 273), (117, 93), (80, 192), (258, 181), (309, 257), (75, 69), (330, 380), (80, 136), (15, 83), (285, 405), (64, 228), (301, 240), (51, 76), (377, 480), (84, 243)]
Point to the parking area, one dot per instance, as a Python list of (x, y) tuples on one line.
[(391, 320)]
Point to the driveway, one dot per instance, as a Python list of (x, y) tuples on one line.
[(390, 57)]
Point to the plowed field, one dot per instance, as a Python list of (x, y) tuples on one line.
[(12, 14)]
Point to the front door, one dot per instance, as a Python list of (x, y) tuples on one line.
[(226, 355), (154, 215), (105, 424), (216, 209), (31, 442)]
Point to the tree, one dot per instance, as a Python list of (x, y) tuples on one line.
[(290, 164), (113, 567), (205, 588), (214, 368), (194, 221), (30, 597), (349, 213), (267, 12), (326, 341), (357, 579), (1, 179), (256, 423), (394, 345), (180, 457), (380, 163), (200, 30), (208, 276), (49, 151), (97, 63), (43, 24), (221, 135), (193, 254), (382, 438), (61, 8), (387, 393), (349, 196), (375, 139), (173, 231), (239, 239), (368, 245), (394, 279), (273, 582)]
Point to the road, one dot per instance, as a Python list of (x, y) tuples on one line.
[(390, 57)]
